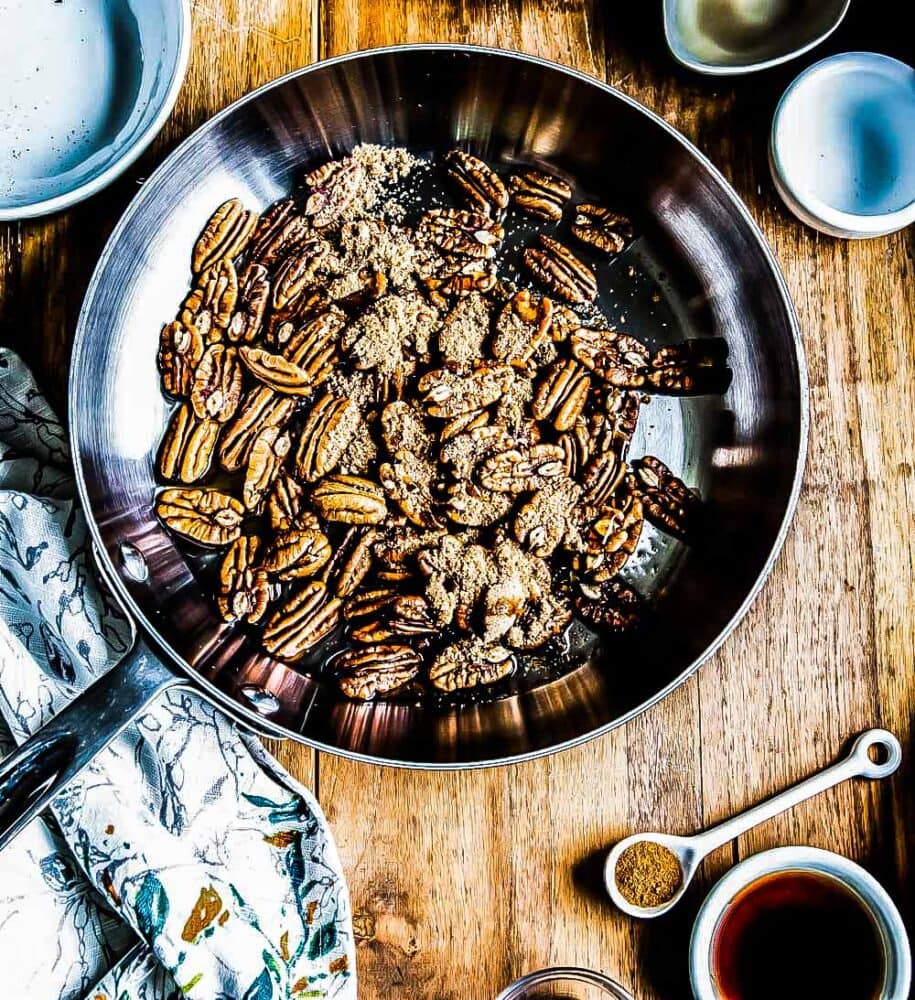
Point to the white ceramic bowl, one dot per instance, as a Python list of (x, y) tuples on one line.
[(842, 146), (731, 37), (895, 942), (86, 86)]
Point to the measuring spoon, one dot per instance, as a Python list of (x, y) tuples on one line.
[(691, 850)]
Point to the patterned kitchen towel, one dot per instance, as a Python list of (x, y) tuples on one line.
[(184, 833)]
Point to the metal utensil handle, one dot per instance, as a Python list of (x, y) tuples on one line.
[(858, 763), (32, 775)]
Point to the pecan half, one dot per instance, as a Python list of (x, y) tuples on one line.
[(621, 410), (304, 621), (326, 435), (373, 630), (298, 551), (244, 590), (368, 602), (458, 278), (619, 359), (609, 539), (576, 447), (470, 663), (411, 615), (601, 228), (407, 480), (692, 367), (503, 604), (283, 324), (351, 561), (209, 305), (541, 621), (447, 394), (253, 296), (319, 332), (471, 506), (312, 348), (276, 372), (477, 182), (558, 269), (466, 451), (265, 460), (522, 470), (286, 503), (280, 231), (216, 391), (350, 500), (208, 517), (602, 477), (333, 188), (561, 395), (565, 322), (217, 292), (539, 193), (260, 408), (195, 315), (180, 351), (669, 503), (612, 605), (376, 670), (297, 271), (522, 328), (462, 233), (187, 449), (463, 422), (225, 235), (544, 520), (403, 426)]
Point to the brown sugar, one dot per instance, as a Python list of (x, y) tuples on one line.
[(648, 874), (360, 453), (385, 337), (464, 329)]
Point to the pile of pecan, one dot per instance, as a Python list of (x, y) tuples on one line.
[(491, 498)]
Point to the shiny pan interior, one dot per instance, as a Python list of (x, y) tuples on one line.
[(700, 268)]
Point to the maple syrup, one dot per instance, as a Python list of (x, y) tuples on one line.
[(797, 935)]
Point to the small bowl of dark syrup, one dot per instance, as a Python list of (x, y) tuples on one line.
[(797, 923)]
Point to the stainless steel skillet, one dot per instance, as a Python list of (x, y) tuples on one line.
[(700, 268)]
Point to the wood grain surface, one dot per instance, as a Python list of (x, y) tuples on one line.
[(461, 882)]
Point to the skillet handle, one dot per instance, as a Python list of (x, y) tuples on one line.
[(33, 774)]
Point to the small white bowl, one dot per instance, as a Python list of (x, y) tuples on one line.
[(86, 86), (842, 146), (730, 37), (896, 950)]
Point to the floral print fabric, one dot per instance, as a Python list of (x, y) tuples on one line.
[(183, 862)]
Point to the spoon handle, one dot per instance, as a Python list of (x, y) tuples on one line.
[(858, 763)]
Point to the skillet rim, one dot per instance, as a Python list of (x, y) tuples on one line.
[(249, 716)]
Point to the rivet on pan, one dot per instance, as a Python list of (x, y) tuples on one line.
[(261, 700), (133, 562)]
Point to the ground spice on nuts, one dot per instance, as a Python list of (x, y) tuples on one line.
[(648, 874)]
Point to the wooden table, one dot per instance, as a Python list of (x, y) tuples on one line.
[(461, 882)]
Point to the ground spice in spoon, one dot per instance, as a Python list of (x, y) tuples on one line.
[(648, 874)]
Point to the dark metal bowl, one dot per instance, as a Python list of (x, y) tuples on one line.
[(701, 267)]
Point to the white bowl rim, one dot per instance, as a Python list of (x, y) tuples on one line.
[(779, 859), (131, 152), (813, 210), (739, 69)]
